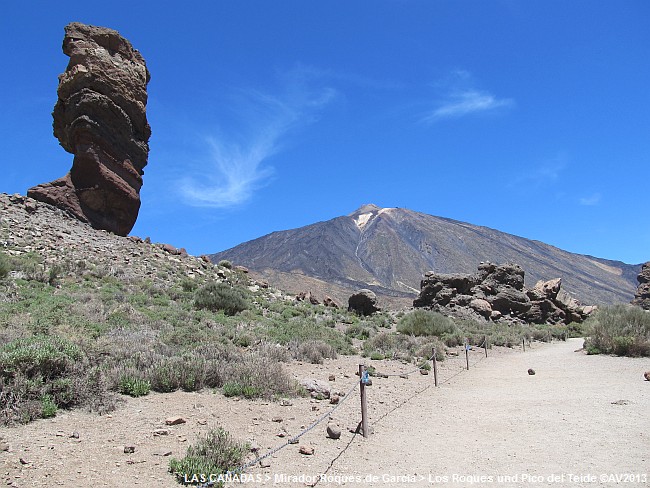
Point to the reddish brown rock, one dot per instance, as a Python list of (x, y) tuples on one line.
[(100, 117), (329, 302), (306, 450)]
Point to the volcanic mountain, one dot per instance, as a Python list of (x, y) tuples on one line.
[(388, 250)]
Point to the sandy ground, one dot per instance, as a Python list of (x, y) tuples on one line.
[(579, 421)]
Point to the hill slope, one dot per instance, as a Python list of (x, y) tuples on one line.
[(389, 249)]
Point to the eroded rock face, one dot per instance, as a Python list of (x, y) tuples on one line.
[(100, 117), (642, 296), (498, 293)]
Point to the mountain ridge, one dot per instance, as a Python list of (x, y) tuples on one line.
[(389, 249)]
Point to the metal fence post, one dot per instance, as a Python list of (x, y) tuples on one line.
[(435, 368), (467, 353)]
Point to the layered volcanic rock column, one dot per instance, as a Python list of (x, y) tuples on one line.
[(100, 117)]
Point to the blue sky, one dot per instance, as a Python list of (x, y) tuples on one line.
[(531, 117)]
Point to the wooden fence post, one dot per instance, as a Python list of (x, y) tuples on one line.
[(435, 368), (523, 343), (485, 344), (364, 405)]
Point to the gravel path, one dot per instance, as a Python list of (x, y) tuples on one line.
[(578, 419)]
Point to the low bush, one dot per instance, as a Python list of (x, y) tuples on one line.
[(164, 374), (40, 375), (224, 263), (133, 386), (302, 329), (358, 331), (221, 297), (313, 351), (391, 345), (425, 323), (623, 330), (259, 377), (38, 356), (215, 454), (48, 407)]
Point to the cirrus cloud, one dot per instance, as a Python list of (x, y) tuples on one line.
[(460, 97), (238, 166), (467, 102)]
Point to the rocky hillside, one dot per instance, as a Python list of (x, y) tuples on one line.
[(389, 249)]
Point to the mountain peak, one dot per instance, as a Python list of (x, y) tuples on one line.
[(365, 208), (365, 213)]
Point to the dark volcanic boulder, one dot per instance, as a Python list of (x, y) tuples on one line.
[(363, 302), (642, 296), (100, 117)]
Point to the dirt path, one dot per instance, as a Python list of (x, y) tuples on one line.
[(512, 429), (494, 420)]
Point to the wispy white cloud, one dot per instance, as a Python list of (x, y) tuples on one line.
[(591, 200), (461, 98), (237, 167), (234, 173), (467, 102)]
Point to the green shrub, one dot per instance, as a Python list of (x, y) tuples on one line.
[(165, 375), (232, 388), (302, 329), (425, 323), (45, 356), (49, 407), (291, 312), (214, 454), (623, 330), (135, 387), (425, 350), (224, 263), (61, 391), (358, 331), (390, 345), (221, 296), (575, 329), (192, 374)]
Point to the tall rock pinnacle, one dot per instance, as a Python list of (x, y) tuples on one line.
[(100, 117)]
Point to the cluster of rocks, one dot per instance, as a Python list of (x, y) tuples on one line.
[(100, 117), (308, 296), (497, 292), (642, 296)]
